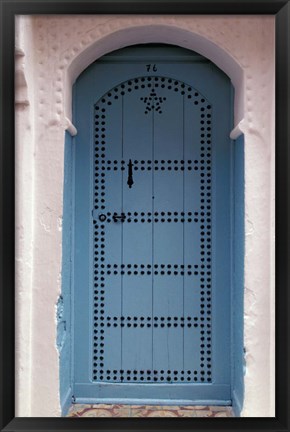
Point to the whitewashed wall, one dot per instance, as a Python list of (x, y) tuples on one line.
[(51, 51)]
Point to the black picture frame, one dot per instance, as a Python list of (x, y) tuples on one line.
[(8, 10)]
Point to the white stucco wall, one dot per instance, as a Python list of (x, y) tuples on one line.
[(51, 51)]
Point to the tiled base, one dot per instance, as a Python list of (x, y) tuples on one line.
[(102, 410)]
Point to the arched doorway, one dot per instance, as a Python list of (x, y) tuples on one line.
[(152, 229)]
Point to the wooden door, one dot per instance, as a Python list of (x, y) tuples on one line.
[(152, 225)]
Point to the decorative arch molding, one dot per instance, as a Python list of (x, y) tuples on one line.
[(119, 33)]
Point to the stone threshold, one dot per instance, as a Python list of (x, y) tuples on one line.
[(115, 410)]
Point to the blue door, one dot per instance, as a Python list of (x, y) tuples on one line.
[(151, 281)]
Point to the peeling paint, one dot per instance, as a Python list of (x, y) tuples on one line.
[(59, 308), (61, 324), (61, 335)]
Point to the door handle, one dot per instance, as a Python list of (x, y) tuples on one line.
[(120, 217), (130, 181)]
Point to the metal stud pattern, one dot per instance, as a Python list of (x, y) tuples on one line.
[(193, 271), (153, 102), (142, 269), (163, 165), (136, 217)]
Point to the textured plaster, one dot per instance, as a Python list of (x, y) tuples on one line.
[(51, 51), (24, 214)]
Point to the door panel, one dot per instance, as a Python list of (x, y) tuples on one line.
[(152, 246)]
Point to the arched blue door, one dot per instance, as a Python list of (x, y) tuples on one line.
[(152, 167)]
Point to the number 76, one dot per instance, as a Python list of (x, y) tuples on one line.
[(151, 67)]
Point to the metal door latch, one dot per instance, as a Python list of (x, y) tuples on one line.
[(130, 181), (120, 217)]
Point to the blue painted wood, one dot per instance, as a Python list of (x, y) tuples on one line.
[(238, 276), (196, 393), (135, 401), (64, 337), (152, 293)]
